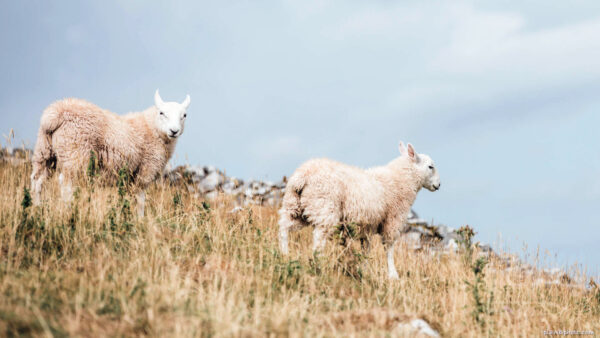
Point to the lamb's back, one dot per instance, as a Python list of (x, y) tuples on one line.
[(358, 193)]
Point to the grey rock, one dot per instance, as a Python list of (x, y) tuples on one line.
[(211, 182), (418, 327), (211, 195), (451, 245), (413, 239), (236, 210)]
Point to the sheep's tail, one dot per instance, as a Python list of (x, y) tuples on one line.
[(291, 200), (43, 153)]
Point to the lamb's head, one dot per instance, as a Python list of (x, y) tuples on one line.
[(170, 116), (424, 167)]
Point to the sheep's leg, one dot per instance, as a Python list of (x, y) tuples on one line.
[(286, 225), (392, 272), (324, 214), (284, 232), (38, 177), (319, 238), (66, 188), (141, 202)]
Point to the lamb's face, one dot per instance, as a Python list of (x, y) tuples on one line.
[(170, 116), (424, 166), (428, 171)]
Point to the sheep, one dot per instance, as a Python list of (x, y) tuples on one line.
[(324, 193), (71, 129)]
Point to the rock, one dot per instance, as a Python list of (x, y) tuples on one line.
[(413, 219), (451, 245), (486, 248), (211, 182), (230, 185), (236, 210), (413, 239), (446, 231), (418, 326), (211, 195), (209, 169)]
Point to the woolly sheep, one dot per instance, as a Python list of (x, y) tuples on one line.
[(143, 142), (323, 193)]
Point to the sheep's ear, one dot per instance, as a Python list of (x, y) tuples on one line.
[(412, 154), (186, 102), (157, 100), (402, 148)]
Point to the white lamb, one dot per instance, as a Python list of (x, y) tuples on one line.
[(324, 193), (142, 142)]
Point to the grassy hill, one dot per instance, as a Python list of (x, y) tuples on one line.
[(190, 268)]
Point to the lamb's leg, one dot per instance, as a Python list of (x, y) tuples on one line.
[(392, 272), (319, 238), (38, 177), (287, 224), (392, 228), (324, 215), (66, 187), (141, 202)]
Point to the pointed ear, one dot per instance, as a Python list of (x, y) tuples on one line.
[(157, 100), (186, 102), (402, 148), (412, 154)]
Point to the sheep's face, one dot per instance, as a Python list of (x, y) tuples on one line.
[(424, 166), (428, 172), (170, 116)]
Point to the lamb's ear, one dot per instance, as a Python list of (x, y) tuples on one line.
[(186, 102), (402, 148), (412, 154), (157, 100)]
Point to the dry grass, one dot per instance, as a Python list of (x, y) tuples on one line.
[(189, 269)]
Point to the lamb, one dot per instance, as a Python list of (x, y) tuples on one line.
[(71, 129), (323, 193)]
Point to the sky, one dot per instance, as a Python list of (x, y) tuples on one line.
[(503, 95)]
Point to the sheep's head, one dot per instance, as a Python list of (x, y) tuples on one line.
[(424, 167), (170, 116)]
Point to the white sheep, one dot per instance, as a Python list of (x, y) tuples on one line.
[(324, 193), (142, 142)]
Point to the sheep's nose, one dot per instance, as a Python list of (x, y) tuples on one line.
[(174, 131)]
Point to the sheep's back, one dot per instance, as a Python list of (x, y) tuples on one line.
[(358, 196), (86, 127)]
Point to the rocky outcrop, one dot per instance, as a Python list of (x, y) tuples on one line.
[(208, 182)]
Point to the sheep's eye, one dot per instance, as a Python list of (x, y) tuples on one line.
[(162, 114), (431, 167), (184, 115)]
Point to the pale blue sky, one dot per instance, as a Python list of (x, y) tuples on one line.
[(504, 95)]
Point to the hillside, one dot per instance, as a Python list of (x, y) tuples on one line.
[(196, 267)]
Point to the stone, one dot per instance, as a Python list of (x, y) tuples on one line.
[(418, 326), (236, 210), (451, 245), (211, 182), (413, 239), (211, 195)]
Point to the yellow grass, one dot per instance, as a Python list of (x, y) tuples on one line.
[(90, 269)]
